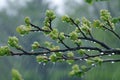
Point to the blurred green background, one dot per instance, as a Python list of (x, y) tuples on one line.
[(12, 15)]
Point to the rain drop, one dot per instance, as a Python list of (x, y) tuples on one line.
[(53, 62), (44, 54), (63, 59), (80, 59), (113, 53), (91, 41), (44, 64), (39, 62), (85, 59), (88, 50), (22, 35), (93, 64), (94, 42), (109, 55), (32, 50), (69, 63), (101, 53), (85, 40), (112, 62)]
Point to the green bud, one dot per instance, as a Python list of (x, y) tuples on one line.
[(66, 19), (54, 34), (70, 61), (72, 73), (50, 14), (27, 20), (105, 15), (78, 42), (77, 30), (115, 20), (46, 28), (4, 50), (90, 61), (55, 48), (76, 68), (13, 41), (98, 59), (22, 29), (48, 44), (73, 35), (16, 75), (53, 57), (81, 52), (70, 54), (96, 24), (62, 36), (59, 54), (85, 28), (35, 45), (76, 71), (83, 67), (41, 58), (77, 21), (86, 22)]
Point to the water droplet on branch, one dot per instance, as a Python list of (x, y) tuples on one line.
[(112, 62), (44, 64), (44, 54), (39, 62), (109, 54), (32, 50), (101, 53), (113, 53), (88, 50)]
